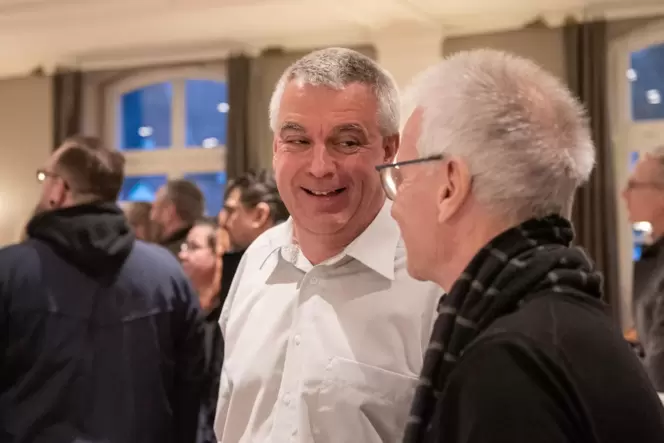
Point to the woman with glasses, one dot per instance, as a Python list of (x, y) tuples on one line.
[(200, 255)]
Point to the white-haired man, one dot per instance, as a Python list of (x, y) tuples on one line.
[(521, 350), (324, 330)]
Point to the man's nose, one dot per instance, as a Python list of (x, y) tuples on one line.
[(182, 255), (222, 218), (322, 162)]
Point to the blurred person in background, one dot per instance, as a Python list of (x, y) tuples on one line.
[(324, 330), (523, 349), (138, 216), (102, 339), (252, 205), (177, 206), (199, 260), (644, 197), (201, 264)]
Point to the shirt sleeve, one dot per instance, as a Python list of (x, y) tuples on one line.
[(504, 392)]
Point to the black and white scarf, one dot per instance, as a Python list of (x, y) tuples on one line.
[(529, 258)]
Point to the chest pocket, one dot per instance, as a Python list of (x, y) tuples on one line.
[(369, 404)]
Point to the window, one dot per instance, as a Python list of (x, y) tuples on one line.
[(141, 188), (145, 118), (170, 124), (207, 110), (646, 78)]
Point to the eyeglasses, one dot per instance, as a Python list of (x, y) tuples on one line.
[(643, 185), (192, 247), (43, 174), (390, 173)]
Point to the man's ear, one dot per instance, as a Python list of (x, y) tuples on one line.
[(455, 188), (169, 208), (261, 214), (391, 147), (58, 194)]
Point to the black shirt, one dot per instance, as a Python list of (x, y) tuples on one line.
[(554, 371)]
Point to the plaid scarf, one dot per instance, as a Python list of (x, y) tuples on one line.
[(529, 258)]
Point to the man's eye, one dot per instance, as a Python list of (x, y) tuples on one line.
[(298, 141)]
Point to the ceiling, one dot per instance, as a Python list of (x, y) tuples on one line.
[(97, 33)]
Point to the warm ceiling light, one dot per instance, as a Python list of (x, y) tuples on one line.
[(642, 227), (145, 131), (653, 97), (210, 142), (631, 75)]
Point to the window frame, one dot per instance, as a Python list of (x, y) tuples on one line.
[(178, 159), (628, 136)]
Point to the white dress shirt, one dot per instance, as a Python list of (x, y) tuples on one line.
[(326, 353)]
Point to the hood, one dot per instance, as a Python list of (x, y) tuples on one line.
[(94, 237)]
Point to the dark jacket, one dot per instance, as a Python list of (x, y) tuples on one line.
[(174, 242), (100, 336), (214, 346), (648, 308), (554, 371)]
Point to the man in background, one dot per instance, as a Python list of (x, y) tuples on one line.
[(177, 206), (101, 338), (644, 196), (252, 206), (138, 216), (324, 330)]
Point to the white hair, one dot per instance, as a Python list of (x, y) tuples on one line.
[(524, 137), (337, 68)]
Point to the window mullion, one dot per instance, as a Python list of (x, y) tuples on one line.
[(178, 125)]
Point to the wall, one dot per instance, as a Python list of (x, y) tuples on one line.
[(543, 45), (25, 143)]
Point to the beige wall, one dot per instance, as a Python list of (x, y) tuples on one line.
[(544, 46), (25, 143)]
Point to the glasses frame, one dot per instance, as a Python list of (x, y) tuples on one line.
[(385, 171), (46, 174)]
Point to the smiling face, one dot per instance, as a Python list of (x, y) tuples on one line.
[(325, 149)]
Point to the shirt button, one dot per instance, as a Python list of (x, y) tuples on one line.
[(294, 433), (286, 399), (296, 340), (314, 281)]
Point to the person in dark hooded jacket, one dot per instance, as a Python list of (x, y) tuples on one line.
[(101, 336)]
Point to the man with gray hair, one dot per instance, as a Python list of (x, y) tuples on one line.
[(644, 196), (522, 349), (324, 330)]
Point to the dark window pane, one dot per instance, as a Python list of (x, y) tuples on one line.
[(212, 185), (206, 113), (141, 188), (145, 116), (647, 83), (636, 254), (633, 159)]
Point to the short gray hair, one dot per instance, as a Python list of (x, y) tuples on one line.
[(524, 137), (337, 68)]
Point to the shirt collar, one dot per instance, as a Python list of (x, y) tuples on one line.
[(375, 247)]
